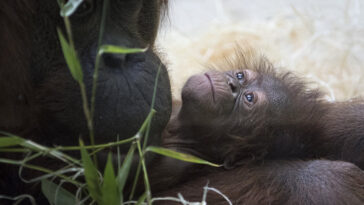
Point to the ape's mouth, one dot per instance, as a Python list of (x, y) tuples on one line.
[(212, 87)]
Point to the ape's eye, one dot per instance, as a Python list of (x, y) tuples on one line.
[(85, 8), (249, 97), (240, 75)]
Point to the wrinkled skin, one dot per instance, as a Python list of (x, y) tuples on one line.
[(125, 83), (214, 97), (41, 101), (248, 110), (269, 132)]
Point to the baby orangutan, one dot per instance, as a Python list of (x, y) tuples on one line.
[(269, 131)]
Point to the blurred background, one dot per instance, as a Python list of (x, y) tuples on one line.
[(320, 40)]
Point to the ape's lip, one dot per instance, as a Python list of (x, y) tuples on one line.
[(212, 87)]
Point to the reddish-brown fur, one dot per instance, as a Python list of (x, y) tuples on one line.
[(265, 166), (278, 182), (343, 136), (39, 99), (258, 175), (15, 110)]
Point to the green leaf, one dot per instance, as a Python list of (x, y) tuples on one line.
[(55, 194), (141, 199), (70, 7), (125, 169), (119, 49), (10, 141), (91, 176), (110, 195), (71, 58), (180, 156)]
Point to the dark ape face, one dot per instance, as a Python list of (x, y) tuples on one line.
[(125, 83), (231, 100)]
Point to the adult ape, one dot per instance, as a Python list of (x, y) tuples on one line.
[(260, 125), (39, 100)]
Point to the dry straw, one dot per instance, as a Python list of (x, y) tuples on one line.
[(325, 45)]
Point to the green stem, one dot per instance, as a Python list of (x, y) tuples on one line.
[(87, 113), (98, 56), (86, 109), (138, 135), (110, 144), (15, 150), (145, 174), (41, 169), (151, 108), (67, 24), (135, 181)]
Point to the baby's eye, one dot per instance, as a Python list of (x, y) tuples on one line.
[(249, 97), (240, 75)]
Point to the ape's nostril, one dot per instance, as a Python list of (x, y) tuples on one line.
[(232, 87), (135, 57), (113, 60), (117, 60)]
